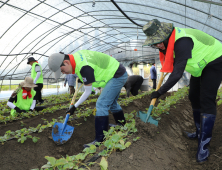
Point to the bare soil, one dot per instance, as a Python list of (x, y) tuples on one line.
[(159, 148)]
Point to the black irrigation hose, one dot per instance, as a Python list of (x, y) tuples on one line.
[(125, 14), (93, 159)]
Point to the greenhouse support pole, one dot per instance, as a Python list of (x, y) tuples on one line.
[(56, 86), (10, 85)]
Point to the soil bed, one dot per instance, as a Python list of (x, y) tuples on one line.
[(162, 147)]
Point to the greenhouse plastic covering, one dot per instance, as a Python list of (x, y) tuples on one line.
[(39, 28)]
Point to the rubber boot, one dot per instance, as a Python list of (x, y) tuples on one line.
[(101, 124), (119, 116), (206, 127), (196, 117)]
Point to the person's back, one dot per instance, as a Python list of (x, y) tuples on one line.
[(153, 72), (71, 78), (153, 75), (133, 84)]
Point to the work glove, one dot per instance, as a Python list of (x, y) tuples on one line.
[(18, 110), (79, 81), (71, 110), (155, 94), (31, 110)]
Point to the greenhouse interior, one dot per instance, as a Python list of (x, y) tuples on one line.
[(152, 62)]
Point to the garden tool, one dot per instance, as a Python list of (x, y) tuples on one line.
[(145, 117), (61, 132)]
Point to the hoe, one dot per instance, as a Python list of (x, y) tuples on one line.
[(145, 117)]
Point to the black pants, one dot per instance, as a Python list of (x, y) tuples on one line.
[(71, 90), (203, 89), (39, 108), (136, 87), (38, 92), (154, 83)]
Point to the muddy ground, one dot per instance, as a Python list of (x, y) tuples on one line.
[(159, 148)]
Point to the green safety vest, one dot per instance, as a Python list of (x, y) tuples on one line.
[(33, 73), (104, 66), (206, 49), (23, 104)]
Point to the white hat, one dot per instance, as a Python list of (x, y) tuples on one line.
[(28, 82), (55, 60)]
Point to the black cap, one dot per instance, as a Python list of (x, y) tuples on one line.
[(31, 59)]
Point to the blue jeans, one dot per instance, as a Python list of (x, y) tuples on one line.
[(109, 96)]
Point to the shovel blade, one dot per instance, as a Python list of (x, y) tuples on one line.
[(143, 117), (61, 134)]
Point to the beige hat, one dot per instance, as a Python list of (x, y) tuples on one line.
[(28, 82)]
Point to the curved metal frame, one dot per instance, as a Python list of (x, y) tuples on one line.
[(99, 44)]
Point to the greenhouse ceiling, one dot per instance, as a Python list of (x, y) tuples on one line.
[(43, 27)]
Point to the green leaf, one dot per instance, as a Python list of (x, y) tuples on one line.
[(46, 166), (103, 164), (103, 153), (86, 150), (92, 149), (108, 144), (61, 161), (52, 160), (68, 158), (35, 139), (158, 118), (22, 139), (120, 147), (115, 138), (121, 142), (91, 163), (68, 166), (127, 144), (80, 156), (29, 136), (135, 139)]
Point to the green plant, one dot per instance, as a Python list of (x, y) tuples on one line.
[(164, 105), (35, 139), (23, 138), (115, 139), (22, 123)]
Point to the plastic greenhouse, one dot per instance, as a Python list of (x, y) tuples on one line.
[(40, 28), (148, 129)]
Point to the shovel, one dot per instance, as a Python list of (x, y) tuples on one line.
[(61, 132), (145, 117)]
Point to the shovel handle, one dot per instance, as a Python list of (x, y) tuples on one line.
[(162, 76), (75, 94), (65, 122)]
